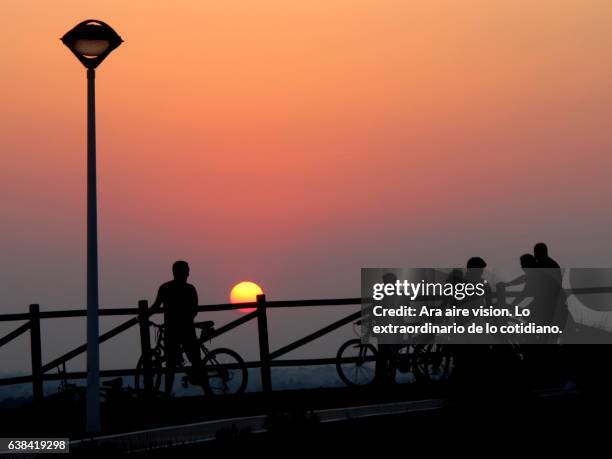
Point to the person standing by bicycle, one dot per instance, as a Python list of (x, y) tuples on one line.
[(386, 361), (180, 300)]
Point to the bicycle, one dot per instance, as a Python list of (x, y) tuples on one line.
[(356, 361), (225, 369), (111, 390)]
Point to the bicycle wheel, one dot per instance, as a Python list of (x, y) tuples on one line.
[(156, 370), (361, 369), (226, 372)]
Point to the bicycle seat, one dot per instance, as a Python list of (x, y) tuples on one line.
[(205, 325)]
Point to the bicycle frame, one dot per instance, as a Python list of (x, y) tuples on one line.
[(160, 348)]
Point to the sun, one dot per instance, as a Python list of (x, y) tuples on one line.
[(245, 292)]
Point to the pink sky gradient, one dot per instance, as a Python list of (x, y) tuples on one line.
[(293, 142)]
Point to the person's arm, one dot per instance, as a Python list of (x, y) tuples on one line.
[(156, 306), (195, 303), (518, 298), (518, 281)]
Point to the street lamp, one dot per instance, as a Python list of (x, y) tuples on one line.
[(91, 41)]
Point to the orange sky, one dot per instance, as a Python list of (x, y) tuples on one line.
[(293, 142)]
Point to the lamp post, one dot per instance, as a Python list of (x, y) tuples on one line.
[(91, 41)]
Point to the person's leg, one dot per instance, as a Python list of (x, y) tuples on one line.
[(391, 364), (381, 371), (192, 350), (172, 351)]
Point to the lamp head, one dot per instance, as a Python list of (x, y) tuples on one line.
[(91, 41)]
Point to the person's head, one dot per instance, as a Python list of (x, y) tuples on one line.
[(180, 270), (528, 261), (476, 262), (389, 278), (475, 267), (540, 251)]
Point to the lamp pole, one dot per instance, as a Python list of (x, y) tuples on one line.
[(91, 41), (93, 345)]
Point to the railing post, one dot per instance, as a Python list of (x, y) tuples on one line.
[(264, 349), (145, 345), (36, 353)]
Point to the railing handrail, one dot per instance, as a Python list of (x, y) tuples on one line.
[(133, 311)]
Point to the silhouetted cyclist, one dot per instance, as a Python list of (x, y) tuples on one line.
[(540, 252), (386, 360), (180, 301), (472, 375)]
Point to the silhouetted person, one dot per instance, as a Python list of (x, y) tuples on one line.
[(542, 286), (554, 278), (472, 360), (386, 361), (542, 282), (483, 376), (559, 313), (540, 252), (474, 272), (180, 301), (532, 281)]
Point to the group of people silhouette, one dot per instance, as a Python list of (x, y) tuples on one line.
[(542, 287), (542, 282)]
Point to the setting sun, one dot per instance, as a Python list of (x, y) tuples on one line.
[(245, 292)]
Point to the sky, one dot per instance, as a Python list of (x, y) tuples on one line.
[(292, 142)]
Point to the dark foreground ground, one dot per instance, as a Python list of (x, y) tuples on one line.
[(56, 416), (548, 425)]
